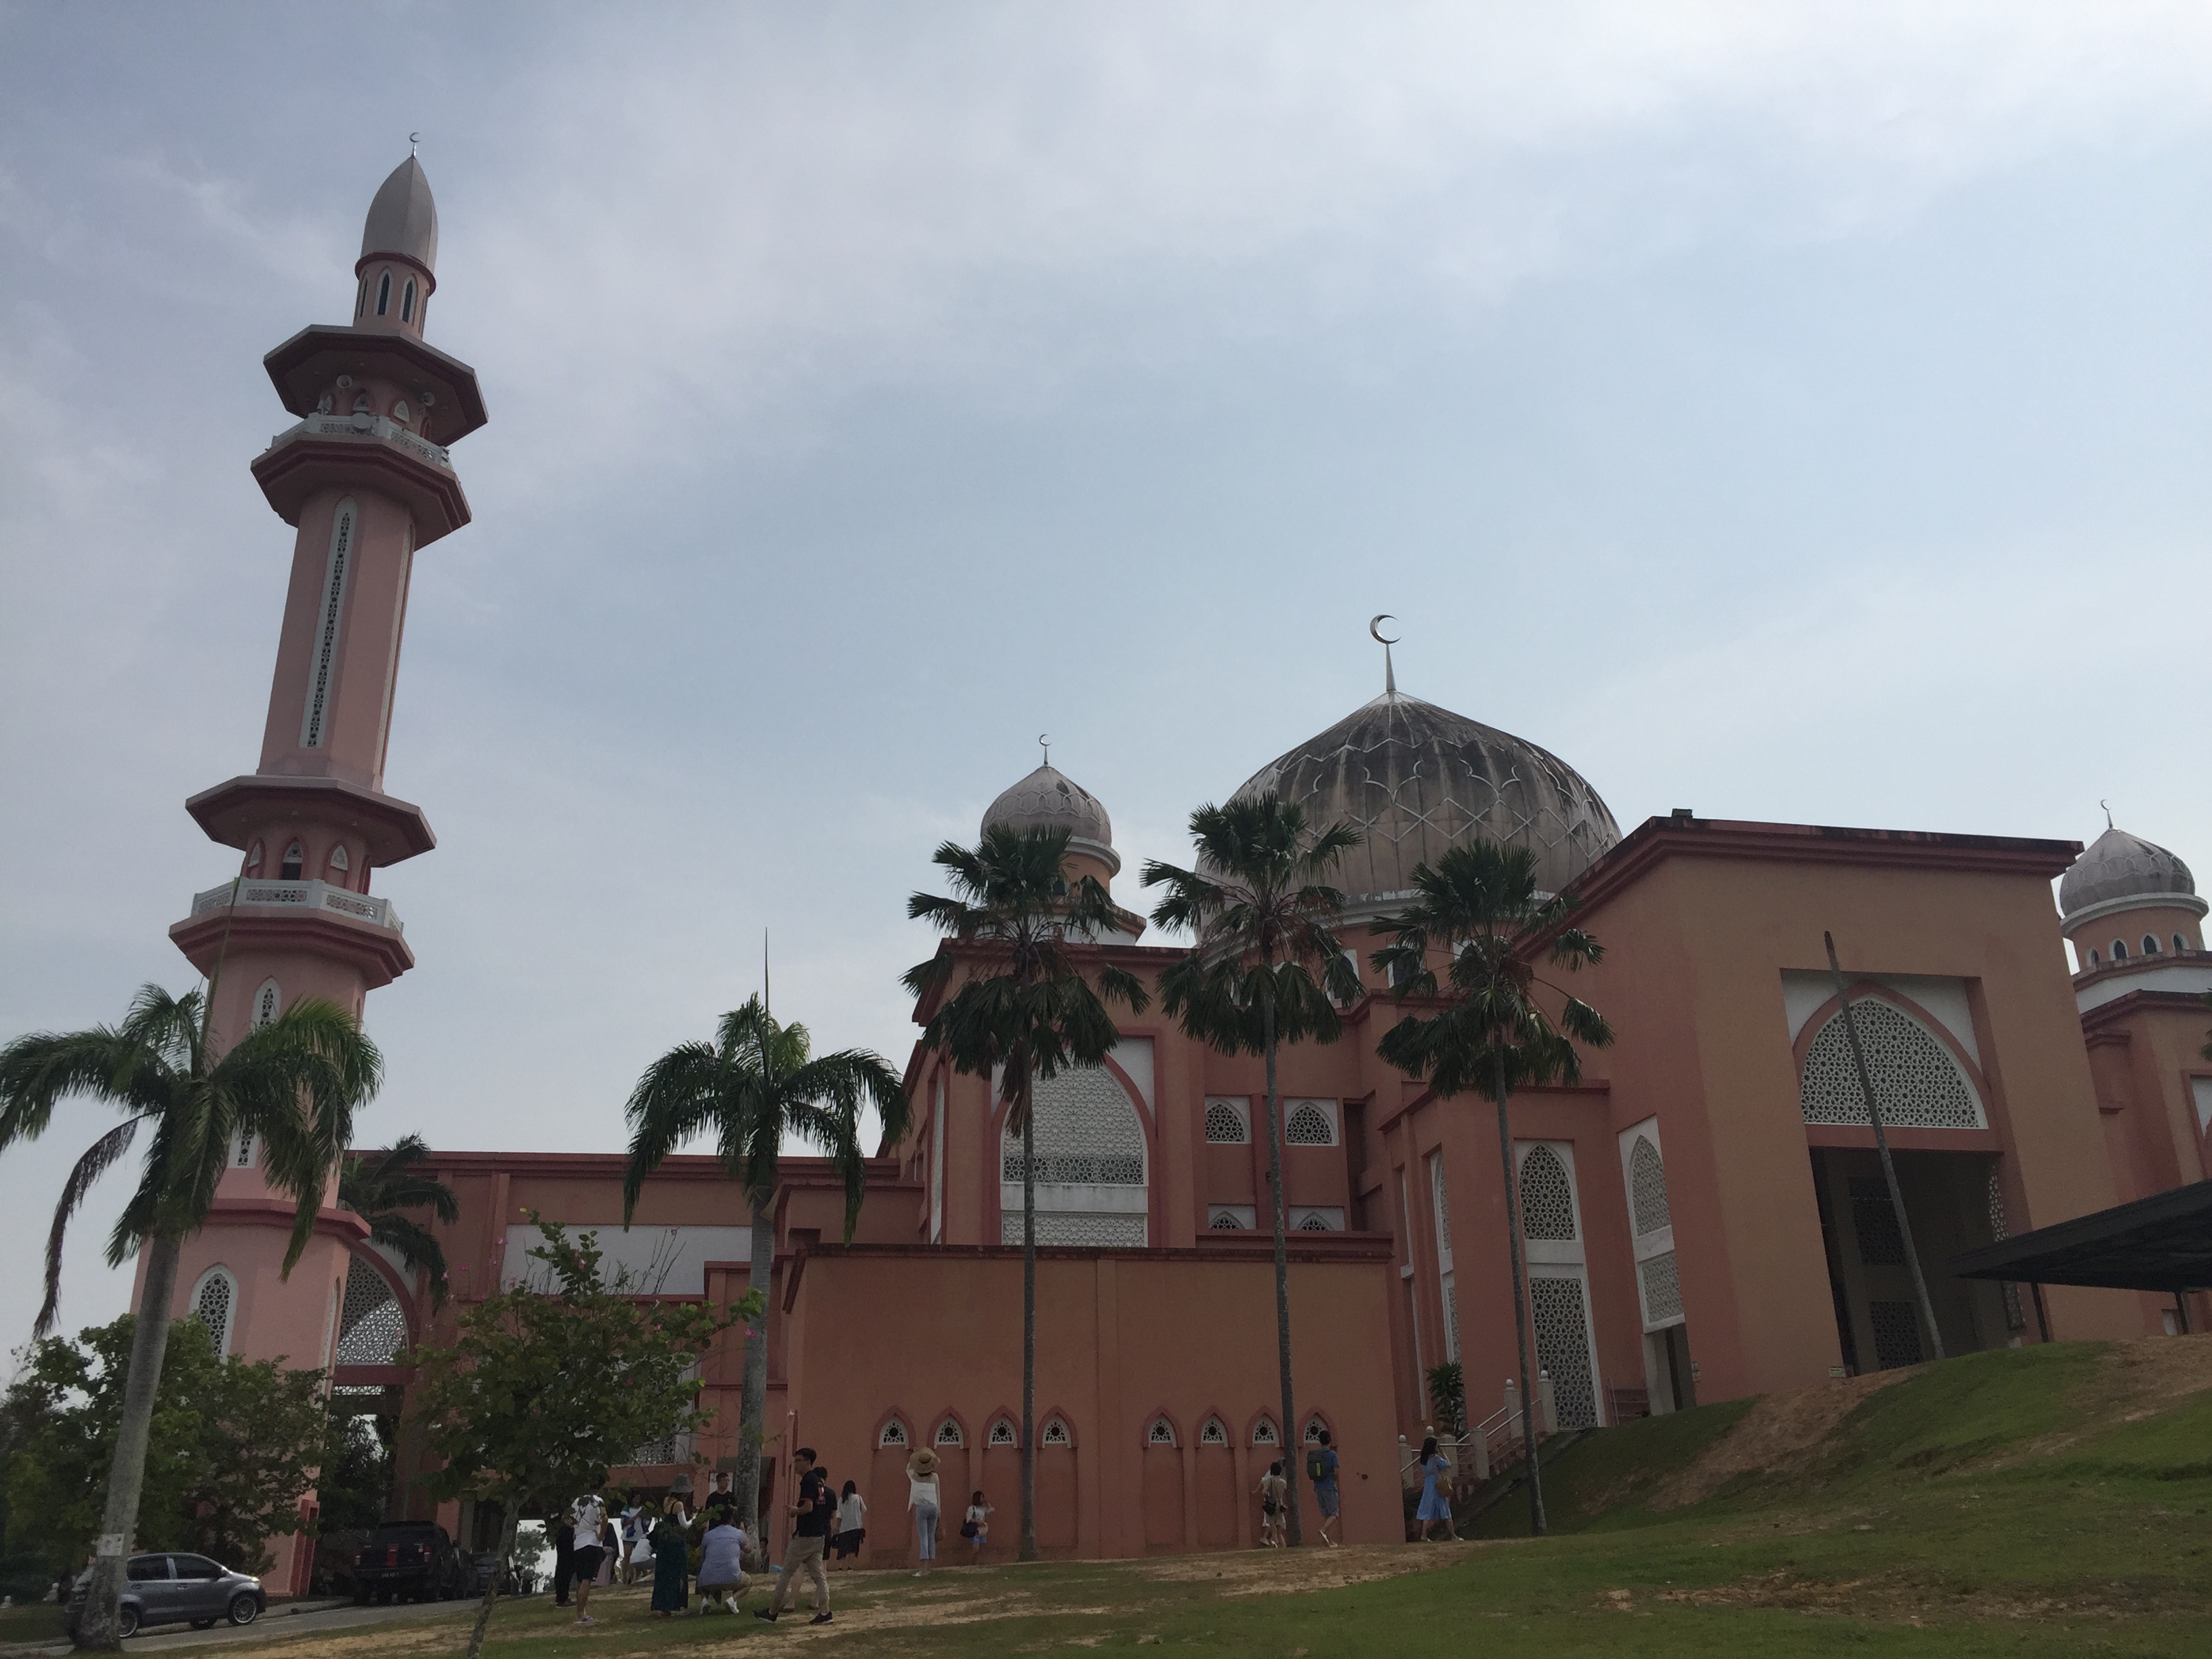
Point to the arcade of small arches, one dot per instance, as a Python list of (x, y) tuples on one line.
[(949, 1435)]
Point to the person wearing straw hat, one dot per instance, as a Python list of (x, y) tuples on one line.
[(922, 1497)]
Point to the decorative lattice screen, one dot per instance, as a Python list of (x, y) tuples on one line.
[(213, 1307), (1874, 1219), (1056, 1433), (1548, 1197), (371, 1328), (1115, 1232), (1224, 1124), (1663, 1289), (948, 1434), (1647, 1188), (1918, 1081), (1263, 1432), (1212, 1433), (1309, 1126), (1563, 1347), (1087, 1133), (894, 1434), (2015, 1316), (1162, 1433), (1002, 1434), (1896, 1334), (1225, 1221)]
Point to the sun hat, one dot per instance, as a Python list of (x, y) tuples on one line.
[(923, 1463)]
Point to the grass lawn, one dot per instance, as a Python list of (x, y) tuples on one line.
[(2044, 1501), (41, 1621)]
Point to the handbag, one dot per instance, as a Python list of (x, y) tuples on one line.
[(966, 1528)]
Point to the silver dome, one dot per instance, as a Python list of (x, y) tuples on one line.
[(1416, 779), (403, 220), (2119, 867), (1048, 799)]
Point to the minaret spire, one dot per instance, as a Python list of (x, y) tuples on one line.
[(1374, 633)]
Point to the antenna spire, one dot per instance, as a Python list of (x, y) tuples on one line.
[(1374, 633), (764, 1001)]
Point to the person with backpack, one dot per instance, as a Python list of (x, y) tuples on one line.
[(1274, 1506), (1322, 1463)]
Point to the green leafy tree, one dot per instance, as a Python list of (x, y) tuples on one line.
[(548, 1384), (1028, 1010), (382, 1187), (293, 1085), (1448, 1398), (1265, 967), (756, 1083), (234, 1446), (1480, 907)]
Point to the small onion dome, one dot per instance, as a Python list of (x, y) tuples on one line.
[(1045, 799), (403, 220), (1417, 780), (2121, 871)]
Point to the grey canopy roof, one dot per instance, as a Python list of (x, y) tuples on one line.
[(1417, 780), (403, 220)]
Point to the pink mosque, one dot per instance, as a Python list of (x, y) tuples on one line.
[(1704, 1216)]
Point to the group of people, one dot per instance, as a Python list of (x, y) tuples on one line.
[(1274, 1490), (597, 1544), (924, 1498)]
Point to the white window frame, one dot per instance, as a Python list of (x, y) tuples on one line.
[(1241, 1218), (1651, 1244), (1238, 1104), (893, 1433)]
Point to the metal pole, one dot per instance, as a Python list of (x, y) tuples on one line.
[(1882, 1146), (2042, 1318)]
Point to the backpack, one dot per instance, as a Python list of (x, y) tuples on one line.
[(1314, 1468)]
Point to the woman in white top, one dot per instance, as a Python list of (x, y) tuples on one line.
[(852, 1521), (921, 1498), (976, 1529)]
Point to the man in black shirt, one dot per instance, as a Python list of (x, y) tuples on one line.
[(813, 1509)]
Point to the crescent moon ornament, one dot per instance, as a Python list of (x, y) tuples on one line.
[(1375, 626), (1044, 742)]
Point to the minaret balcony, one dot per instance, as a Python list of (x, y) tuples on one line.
[(371, 452), (300, 898)]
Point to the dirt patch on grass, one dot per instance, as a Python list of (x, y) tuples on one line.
[(2138, 1379), (1780, 1433), (1267, 1572), (1898, 1598)]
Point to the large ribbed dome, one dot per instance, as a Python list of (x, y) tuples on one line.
[(2119, 867), (1416, 779), (1048, 800)]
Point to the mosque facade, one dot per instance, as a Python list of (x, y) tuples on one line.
[(1704, 1214)]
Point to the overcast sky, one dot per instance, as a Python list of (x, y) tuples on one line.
[(1786, 412)]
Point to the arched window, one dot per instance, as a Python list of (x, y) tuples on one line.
[(2179, 944), (407, 303), (1088, 1135), (1921, 1084), (1226, 1125), (948, 1433), (2094, 958), (1213, 1432), (2150, 945), (326, 625), (1263, 1432), (384, 293), (2119, 950), (1162, 1433), (1314, 1221), (1315, 1429), (1002, 1433), (1647, 1188), (360, 298), (1548, 1197), (1309, 1124), (1055, 1434), (295, 861), (1225, 1221), (893, 1433), (214, 1299), (339, 864), (363, 404), (371, 1327), (268, 1001), (253, 859)]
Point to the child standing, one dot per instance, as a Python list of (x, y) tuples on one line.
[(1275, 1502), (976, 1527)]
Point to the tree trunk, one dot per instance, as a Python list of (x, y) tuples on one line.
[(491, 1584), (1530, 1412), (1290, 1440), (1029, 1543), (98, 1626), (752, 1406)]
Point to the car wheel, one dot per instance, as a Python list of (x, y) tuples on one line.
[(244, 1609), (127, 1622)]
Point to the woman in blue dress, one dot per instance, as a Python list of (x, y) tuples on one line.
[(1435, 1506)]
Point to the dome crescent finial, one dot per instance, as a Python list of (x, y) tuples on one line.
[(2107, 806), (1374, 632)]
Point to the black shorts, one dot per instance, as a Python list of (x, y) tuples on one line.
[(588, 1563)]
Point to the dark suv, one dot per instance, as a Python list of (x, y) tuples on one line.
[(170, 1589), (409, 1561)]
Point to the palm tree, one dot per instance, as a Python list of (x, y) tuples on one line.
[(1263, 923), (1480, 902), (758, 1082), (293, 1084), (1029, 1010), (381, 1187)]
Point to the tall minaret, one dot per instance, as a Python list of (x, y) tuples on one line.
[(365, 479)]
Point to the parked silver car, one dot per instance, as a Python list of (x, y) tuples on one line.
[(177, 1589)]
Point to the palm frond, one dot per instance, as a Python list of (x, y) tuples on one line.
[(103, 1155)]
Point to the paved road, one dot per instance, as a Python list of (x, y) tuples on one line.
[(277, 1622)]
